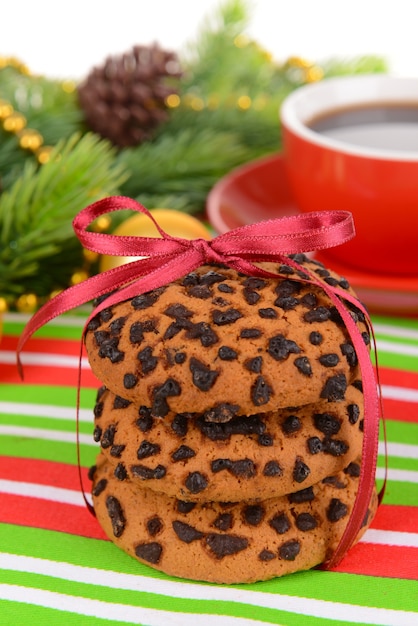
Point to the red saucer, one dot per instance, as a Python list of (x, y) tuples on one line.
[(259, 190)]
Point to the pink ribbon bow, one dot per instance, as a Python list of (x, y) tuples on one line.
[(168, 258)]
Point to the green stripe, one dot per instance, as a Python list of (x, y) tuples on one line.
[(399, 493), (43, 450), (397, 361), (47, 423), (402, 432), (314, 584), (397, 322), (48, 394)]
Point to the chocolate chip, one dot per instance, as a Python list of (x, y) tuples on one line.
[(204, 332), (287, 303), (136, 333), (211, 277), (178, 311), (267, 313), (366, 337), (182, 453), (116, 515), (93, 324), (97, 433), (120, 403), (185, 507), (303, 495), (224, 521), (202, 292), (145, 300), (175, 328), (219, 465), (186, 533), (265, 440), (299, 257), (129, 381), (145, 420), (120, 472), (180, 424), (221, 413), (116, 326), (92, 472), (315, 338), (353, 469), (330, 280), (289, 551), (300, 471), (225, 288), (279, 347), (147, 449), (225, 545), (227, 354), (287, 288), (286, 269), (105, 315), (318, 314), (251, 296), (250, 333), (260, 391), (253, 514), (314, 445), (196, 482), (147, 360), (303, 364), (147, 473), (154, 526), (306, 521), (280, 523), (335, 447), (221, 318), (108, 436), (116, 450), (203, 377), (254, 282), (98, 409), (254, 365), (333, 480), (350, 354), (150, 552), (180, 357), (334, 388), (291, 424), (168, 389), (190, 279), (266, 555), (358, 384), (99, 487), (309, 300), (244, 468), (272, 468), (109, 349), (327, 423), (336, 510), (329, 360)]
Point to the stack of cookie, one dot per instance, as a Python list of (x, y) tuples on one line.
[(230, 423)]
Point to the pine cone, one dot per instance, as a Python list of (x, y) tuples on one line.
[(124, 99)]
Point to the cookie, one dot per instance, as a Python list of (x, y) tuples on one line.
[(226, 542), (218, 455), (217, 336)]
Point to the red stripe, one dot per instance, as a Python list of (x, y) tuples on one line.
[(49, 375), (57, 516), (380, 560), (398, 378), (45, 345)]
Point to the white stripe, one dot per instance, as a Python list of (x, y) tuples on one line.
[(400, 450), (48, 435), (65, 320), (390, 538), (395, 475), (399, 393), (43, 492), (41, 358), (113, 611), (295, 604), (46, 410), (395, 331), (396, 348)]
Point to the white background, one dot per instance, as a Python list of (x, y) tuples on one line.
[(66, 39)]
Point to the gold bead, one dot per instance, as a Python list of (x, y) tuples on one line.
[(298, 62), (3, 306), (43, 154), (314, 74), (244, 102), (78, 277), (90, 256), (6, 109), (27, 303), (68, 86), (30, 139), (14, 123), (102, 223), (172, 101), (54, 293)]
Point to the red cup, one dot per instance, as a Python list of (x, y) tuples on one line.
[(365, 171)]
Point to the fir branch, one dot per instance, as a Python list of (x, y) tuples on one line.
[(36, 213)]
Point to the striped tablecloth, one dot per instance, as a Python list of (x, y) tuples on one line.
[(57, 567)]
